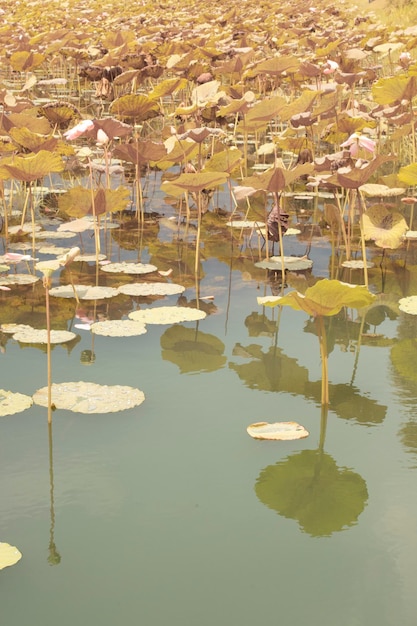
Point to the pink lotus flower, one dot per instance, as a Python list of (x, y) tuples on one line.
[(331, 67), (79, 130), (356, 141)]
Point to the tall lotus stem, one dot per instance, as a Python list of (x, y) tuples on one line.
[(47, 284), (321, 331), (363, 248)]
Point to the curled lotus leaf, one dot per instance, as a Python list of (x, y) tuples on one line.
[(326, 297), (40, 335), (83, 292), (9, 555), (129, 268), (118, 328), (135, 106), (167, 315), (11, 403), (86, 397), (384, 227), (151, 289), (277, 431)]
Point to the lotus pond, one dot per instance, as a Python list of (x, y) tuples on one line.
[(198, 235)]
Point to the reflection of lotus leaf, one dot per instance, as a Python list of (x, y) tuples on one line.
[(404, 358), (260, 325), (192, 350), (9, 555), (408, 436), (11, 403), (273, 371), (310, 488), (348, 403), (82, 397)]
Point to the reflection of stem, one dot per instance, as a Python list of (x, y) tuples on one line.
[(54, 557), (324, 361), (48, 349), (358, 348), (365, 263), (323, 426), (197, 244)]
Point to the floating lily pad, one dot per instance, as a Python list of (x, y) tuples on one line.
[(52, 249), (25, 229), (408, 305), (129, 268), (292, 231), (292, 263), (11, 403), (36, 335), (84, 292), (411, 234), (118, 328), (245, 224), (278, 431), (9, 555), (91, 258), (167, 315), (52, 234), (19, 279), (85, 397), (151, 289), (357, 265), (380, 191)]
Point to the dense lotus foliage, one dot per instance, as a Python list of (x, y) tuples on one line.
[(177, 134)]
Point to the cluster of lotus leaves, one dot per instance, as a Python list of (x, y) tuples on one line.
[(326, 297)]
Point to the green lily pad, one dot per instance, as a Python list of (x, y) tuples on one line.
[(84, 292), (36, 335), (85, 397)]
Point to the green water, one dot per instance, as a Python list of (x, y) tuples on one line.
[(171, 514)]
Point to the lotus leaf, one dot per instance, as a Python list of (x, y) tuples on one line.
[(151, 289), (192, 350), (408, 305), (292, 263), (129, 268), (384, 227), (326, 297), (167, 315), (18, 279), (9, 555), (278, 431), (11, 403), (86, 397), (31, 167), (118, 328), (83, 292), (36, 335)]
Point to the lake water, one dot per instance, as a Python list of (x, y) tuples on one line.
[(170, 513)]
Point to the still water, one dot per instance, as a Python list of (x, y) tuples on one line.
[(170, 513)]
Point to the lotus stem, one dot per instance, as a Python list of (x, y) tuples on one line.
[(321, 331)]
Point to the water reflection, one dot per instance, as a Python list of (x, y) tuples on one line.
[(310, 488), (192, 350), (54, 558)]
